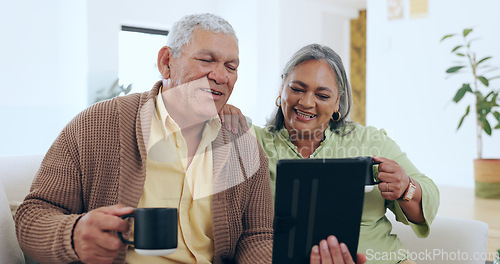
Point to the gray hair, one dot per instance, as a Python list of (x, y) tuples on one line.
[(319, 52), (182, 31)]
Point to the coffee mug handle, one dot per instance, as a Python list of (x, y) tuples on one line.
[(376, 163), (120, 235)]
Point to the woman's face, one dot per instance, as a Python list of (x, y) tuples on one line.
[(309, 97)]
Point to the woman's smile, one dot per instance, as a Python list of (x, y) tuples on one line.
[(304, 116), (309, 97)]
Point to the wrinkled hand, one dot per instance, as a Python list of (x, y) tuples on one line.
[(330, 251), (393, 177), (91, 237), (232, 118)]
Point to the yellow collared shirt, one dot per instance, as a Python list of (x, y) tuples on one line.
[(171, 183)]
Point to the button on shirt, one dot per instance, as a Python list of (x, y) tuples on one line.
[(171, 183)]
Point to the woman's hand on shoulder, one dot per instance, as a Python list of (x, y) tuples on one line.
[(232, 118)]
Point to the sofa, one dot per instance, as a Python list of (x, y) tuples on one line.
[(10, 252), (448, 236), (451, 240), (16, 175)]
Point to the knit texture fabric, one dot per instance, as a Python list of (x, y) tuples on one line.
[(99, 159)]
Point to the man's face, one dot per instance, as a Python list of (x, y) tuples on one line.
[(204, 73)]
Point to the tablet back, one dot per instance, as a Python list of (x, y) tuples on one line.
[(316, 198)]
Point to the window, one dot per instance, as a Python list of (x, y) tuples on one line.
[(138, 52)]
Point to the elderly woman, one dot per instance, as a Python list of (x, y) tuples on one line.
[(311, 123)]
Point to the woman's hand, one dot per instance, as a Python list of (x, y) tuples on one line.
[(232, 118), (330, 251), (394, 180)]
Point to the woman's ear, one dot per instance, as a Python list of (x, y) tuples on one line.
[(164, 56), (281, 89), (337, 104)]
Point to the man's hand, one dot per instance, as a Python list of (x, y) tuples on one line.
[(91, 238), (330, 251)]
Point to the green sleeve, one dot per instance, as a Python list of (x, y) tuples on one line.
[(430, 192)]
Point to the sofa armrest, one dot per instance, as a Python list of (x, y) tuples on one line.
[(10, 252), (17, 173), (451, 240)]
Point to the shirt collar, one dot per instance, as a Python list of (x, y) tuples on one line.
[(211, 127)]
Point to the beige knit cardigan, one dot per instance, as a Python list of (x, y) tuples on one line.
[(99, 159)]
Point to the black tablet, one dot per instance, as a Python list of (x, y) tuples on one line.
[(316, 198)]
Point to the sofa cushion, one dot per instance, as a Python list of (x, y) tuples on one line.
[(17, 173), (10, 252)]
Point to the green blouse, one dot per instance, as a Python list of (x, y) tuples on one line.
[(376, 240)]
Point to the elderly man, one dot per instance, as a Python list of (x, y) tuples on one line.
[(162, 148)]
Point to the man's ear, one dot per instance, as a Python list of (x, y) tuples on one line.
[(164, 56)]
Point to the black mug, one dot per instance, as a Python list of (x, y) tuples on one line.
[(370, 179), (155, 231)]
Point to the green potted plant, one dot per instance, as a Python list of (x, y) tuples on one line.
[(486, 108), (114, 90)]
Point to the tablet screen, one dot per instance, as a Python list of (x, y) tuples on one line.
[(316, 198)]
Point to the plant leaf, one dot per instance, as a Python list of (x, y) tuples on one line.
[(483, 59), (454, 69), (497, 115), (479, 96), (455, 48), (463, 117), (484, 81), (494, 99), (467, 31), (483, 107), (485, 125), (460, 54), (447, 36), (498, 126), (128, 89), (461, 92)]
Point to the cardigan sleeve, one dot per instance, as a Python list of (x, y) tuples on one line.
[(79, 173), (255, 243), (45, 220)]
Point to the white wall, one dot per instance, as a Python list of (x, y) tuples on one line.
[(56, 54), (305, 22), (43, 55), (59, 53), (287, 25), (105, 19), (408, 94)]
